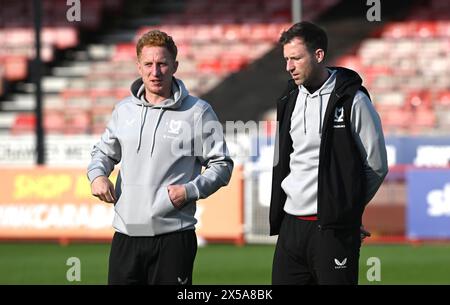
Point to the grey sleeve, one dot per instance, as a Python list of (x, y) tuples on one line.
[(106, 153), (213, 155), (368, 134)]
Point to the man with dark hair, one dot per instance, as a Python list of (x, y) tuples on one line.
[(331, 161), (152, 133)]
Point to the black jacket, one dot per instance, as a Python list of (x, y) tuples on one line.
[(341, 178)]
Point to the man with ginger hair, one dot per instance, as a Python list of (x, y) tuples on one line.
[(163, 137)]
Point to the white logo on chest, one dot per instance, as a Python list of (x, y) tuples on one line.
[(174, 127), (130, 122), (339, 115)]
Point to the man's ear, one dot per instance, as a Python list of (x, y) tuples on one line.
[(138, 66), (319, 55)]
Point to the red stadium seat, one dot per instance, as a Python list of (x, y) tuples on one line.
[(443, 98), (395, 118), (419, 100), (76, 99), (234, 64), (104, 98), (15, 67), (100, 118), (424, 118), (443, 28), (426, 29), (210, 65), (124, 52), (351, 62), (24, 123), (65, 37), (54, 122), (77, 122)]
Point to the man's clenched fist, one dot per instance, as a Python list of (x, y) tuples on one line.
[(103, 188)]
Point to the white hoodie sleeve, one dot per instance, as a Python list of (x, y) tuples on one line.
[(213, 155), (369, 137), (106, 153)]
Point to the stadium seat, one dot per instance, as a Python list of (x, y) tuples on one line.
[(99, 119), (54, 122), (15, 67), (443, 118), (424, 118), (388, 101), (124, 52), (76, 99), (24, 123), (65, 37), (396, 118), (351, 62), (419, 100), (77, 122), (103, 98), (443, 28), (443, 98)]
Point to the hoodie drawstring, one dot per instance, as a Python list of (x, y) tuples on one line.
[(173, 102), (161, 110), (304, 113), (320, 115), (141, 124)]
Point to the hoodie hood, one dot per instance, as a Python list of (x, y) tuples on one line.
[(326, 88), (316, 99), (178, 93), (346, 78)]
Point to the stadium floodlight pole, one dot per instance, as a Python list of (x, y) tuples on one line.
[(296, 11), (36, 76)]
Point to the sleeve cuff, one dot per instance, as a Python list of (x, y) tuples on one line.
[(192, 193), (94, 173)]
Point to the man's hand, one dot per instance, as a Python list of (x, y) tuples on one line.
[(177, 194), (103, 188), (364, 233)]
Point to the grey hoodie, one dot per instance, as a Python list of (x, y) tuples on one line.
[(161, 145), (301, 184)]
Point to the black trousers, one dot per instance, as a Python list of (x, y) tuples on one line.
[(166, 259), (304, 254)]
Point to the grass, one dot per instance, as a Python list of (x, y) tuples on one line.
[(406, 264), (46, 263), (30, 263), (225, 264)]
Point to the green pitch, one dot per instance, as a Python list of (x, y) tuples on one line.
[(33, 263)]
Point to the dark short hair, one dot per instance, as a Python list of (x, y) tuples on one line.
[(157, 38), (313, 36)]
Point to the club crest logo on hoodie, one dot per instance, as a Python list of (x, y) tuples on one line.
[(174, 127), (339, 117)]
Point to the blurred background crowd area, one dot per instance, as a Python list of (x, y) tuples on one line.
[(228, 55)]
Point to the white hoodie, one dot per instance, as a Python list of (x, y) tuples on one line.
[(301, 184)]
